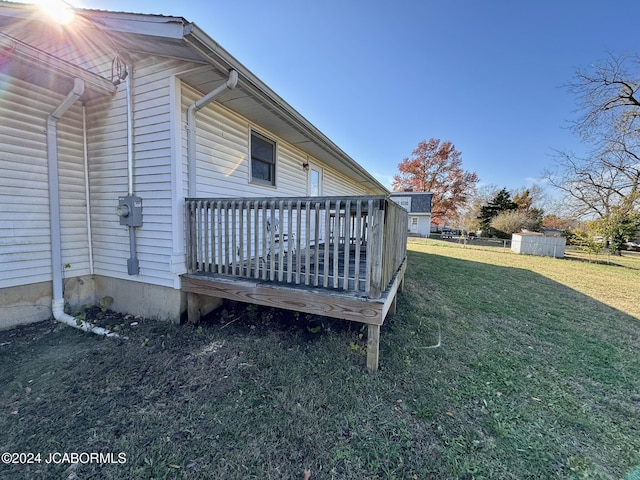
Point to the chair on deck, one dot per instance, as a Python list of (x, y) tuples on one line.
[(280, 240)]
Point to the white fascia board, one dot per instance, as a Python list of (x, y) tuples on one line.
[(138, 23)]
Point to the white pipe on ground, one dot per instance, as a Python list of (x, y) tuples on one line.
[(60, 316), (231, 83), (57, 304)]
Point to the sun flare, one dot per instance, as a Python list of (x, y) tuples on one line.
[(60, 11)]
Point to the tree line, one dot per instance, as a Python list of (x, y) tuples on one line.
[(599, 191)]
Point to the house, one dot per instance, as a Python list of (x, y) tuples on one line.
[(142, 162), (418, 205)]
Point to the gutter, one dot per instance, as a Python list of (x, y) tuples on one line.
[(231, 83), (57, 304)]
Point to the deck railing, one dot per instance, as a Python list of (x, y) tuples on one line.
[(354, 244)]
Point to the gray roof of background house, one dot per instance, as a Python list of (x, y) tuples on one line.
[(420, 201)]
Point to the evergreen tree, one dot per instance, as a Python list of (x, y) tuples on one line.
[(500, 203)]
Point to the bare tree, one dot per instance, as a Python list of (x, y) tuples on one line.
[(468, 214), (607, 179), (513, 221)]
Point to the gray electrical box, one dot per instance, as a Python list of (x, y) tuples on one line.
[(130, 210)]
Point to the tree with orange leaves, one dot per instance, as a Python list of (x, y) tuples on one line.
[(436, 167)]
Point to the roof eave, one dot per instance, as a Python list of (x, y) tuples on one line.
[(206, 46), (29, 55)]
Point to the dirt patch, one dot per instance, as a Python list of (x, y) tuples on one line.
[(158, 394)]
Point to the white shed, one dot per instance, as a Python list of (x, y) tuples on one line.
[(531, 243)]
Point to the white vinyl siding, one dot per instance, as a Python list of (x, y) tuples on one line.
[(223, 163), (152, 174), (24, 191), (337, 184)]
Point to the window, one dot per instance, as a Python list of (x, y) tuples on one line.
[(263, 159)]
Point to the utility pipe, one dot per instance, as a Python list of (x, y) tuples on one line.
[(133, 266), (57, 304), (130, 129), (231, 83), (87, 195)]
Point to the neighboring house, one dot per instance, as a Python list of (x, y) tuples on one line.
[(418, 205), (111, 122)]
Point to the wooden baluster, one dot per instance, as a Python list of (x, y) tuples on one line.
[(307, 243), (347, 244), (218, 219), (327, 243), (199, 242), (298, 241), (316, 238), (358, 244), (272, 240), (278, 227), (234, 238), (337, 235), (290, 241)]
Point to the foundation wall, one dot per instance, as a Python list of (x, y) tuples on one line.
[(31, 303), (25, 304)]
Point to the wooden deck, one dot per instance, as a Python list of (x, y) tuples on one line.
[(330, 303), (339, 257)]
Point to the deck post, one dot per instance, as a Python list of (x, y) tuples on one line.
[(376, 249), (393, 307), (193, 308), (373, 348)]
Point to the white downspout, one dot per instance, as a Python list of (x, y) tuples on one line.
[(57, 306), (231, 83), (87, 195)]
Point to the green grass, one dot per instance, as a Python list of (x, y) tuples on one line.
[(537, 377)]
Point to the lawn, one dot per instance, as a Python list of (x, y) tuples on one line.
[(497, 366)]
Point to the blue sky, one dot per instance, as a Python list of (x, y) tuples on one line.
[(378, 76)]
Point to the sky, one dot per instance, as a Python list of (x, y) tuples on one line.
[(377, 77)]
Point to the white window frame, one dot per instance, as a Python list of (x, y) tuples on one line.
[(319, 169)]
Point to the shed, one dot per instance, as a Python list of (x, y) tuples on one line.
[(533, 243)]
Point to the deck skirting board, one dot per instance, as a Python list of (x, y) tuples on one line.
[(300, 299)]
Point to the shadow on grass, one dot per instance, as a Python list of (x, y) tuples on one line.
[(533, 380), (608, 260)]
